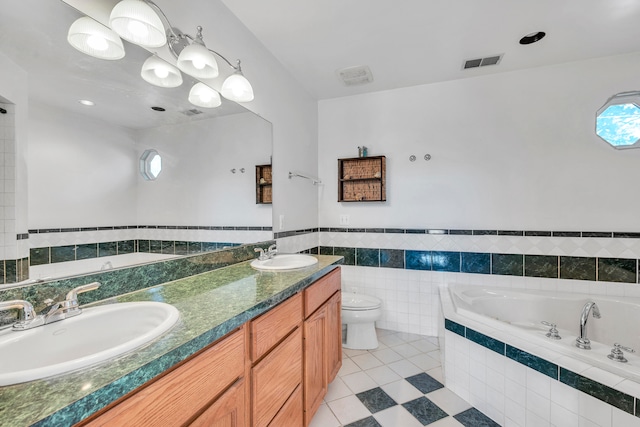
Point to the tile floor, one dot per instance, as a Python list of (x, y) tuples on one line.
[(399, 384)]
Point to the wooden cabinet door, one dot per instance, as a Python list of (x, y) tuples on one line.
[(275, 378), (315, 362), (333, 337), (227, 411)]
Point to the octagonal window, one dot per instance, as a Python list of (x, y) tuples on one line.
[(618, 121), (150, 164)]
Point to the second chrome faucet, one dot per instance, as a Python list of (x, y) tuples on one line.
[(583, 341)]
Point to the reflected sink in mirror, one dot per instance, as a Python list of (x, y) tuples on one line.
[(96, 335), (285, 262)]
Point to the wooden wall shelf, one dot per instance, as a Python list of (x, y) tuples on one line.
[(264, 182), (362, 179)]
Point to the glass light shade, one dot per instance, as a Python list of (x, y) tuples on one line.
[(197, 61), (203, 96), (94, 39), (237, 88), (137, 22), (160, 73)]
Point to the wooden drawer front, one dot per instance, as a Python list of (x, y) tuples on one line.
[(268, 329), (291, 413), (275, 378), (316, 294), (228, 411), (175, 398)]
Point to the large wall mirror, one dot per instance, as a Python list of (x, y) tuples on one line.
[(88, 204)]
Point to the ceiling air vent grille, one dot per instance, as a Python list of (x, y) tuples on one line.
[(192, 112), (353, 76), (482, 62)]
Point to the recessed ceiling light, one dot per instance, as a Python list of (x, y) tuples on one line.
[(87, 102), (158, 109), (533, 37)]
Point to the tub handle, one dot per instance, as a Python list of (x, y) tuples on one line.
[(617, 354), (553, 332)]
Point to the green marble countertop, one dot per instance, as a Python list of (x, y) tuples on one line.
[(211, 305)]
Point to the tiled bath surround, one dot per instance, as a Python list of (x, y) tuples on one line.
[(71, 244), (14, 249)]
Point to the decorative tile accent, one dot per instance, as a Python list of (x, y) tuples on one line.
[(326, 250), (617, 270), (349, 255), (533, 362), (87, 251), (599, 391), (485, 341), (578, 268), (63, 253), (541, 266), (478, 263), (126, 247), (105, 249), (454, 327), (368, 257), (392, 258), (445, 261), (376, 400), (365, 422), (425, 383), (39, 256), (507, 264), (417, 260), (425, 410), (474, 418)]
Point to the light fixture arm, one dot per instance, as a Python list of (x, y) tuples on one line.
[(176, 38)]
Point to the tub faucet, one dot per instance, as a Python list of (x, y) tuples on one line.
[(582, 341)]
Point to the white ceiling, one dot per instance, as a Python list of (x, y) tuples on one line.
[(413, 42)]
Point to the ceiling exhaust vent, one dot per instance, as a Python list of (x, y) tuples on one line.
[(353, 76), (482, 62), (192, 112)]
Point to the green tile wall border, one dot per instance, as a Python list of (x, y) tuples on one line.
[(591, 387), (54, 254), (119, 281), (621, 270)]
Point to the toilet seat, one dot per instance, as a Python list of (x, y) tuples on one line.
[(358, 302)]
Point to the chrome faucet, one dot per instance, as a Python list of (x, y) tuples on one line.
[(263, 256), (582, 341), (61, 310), (272, 251)]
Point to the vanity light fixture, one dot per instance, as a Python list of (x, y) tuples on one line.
[(94, 39), (159, 72), (142, 22), (202, 95)]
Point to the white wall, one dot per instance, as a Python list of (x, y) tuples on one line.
[(278, 98), (509, 151), (196, 185), (82, 171)]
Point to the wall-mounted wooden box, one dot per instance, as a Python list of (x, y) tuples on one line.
[(362, 179), (263, 184)]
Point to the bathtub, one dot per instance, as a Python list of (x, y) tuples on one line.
[(515, 316), (497, 356)]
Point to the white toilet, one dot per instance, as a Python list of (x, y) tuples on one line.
[(359, 313)]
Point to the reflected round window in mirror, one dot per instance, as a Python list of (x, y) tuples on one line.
[(618, 121), (150, 165)]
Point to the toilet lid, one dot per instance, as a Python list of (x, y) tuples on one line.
[(359, 301)]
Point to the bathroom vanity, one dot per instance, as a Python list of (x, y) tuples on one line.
[(251, 349)]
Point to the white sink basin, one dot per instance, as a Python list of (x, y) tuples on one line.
[(96, 335), (285, 262)]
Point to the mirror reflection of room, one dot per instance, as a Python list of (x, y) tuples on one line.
[(80, 196)]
